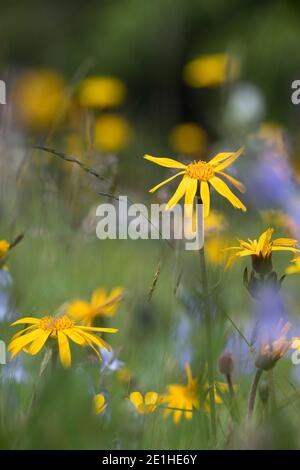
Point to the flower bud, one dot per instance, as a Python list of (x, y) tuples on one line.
[(226, 363)]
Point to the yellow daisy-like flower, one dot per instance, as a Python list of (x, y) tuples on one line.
[(188, 139), (101, 305), (182, 399), (101, 92), (211, 70), (112, 133), (295, 267), (39, 95), (261, 250), (4, 247), (33, 337), (146, 404), (202, 173), (100, 404)]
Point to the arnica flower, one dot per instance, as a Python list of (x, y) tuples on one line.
[(101, 92), (39, 95), (273, 350), (261, 250), (112, 133), (188, 139), (146, 404), (4, 248), (101, 305), (295, 267), (99, 403), (61, 329), (211, 70), (182, 399), (201, 173)]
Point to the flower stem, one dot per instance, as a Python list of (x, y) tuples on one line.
[(210, 358), (252, 394)]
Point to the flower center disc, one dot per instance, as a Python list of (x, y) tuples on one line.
[(54, 324), (200, 171)]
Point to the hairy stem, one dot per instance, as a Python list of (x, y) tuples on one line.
[(209, 348), (253, 391)]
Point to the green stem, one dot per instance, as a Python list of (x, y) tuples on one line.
[(210, 358), (252, 394)]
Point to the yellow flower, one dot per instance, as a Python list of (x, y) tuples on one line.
[(4, 247), (261, 250), (101, 92), (188, 138), (215, 246), (39, 96), (211, 70), (219, 388), (100, 404), (182, 399), (112, 133), (295, 268), (201, 173), (124, 375), (33, 337), (101, 305), (146, 404)]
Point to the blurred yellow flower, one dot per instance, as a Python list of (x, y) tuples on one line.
[(261, 250), (182, 399), (211, 70), (33, 337), (295, 267), (102, 304), (124, 375), (101, 92), (112, 133), (219, 389), (201, 173), (146, 404), (4, 248), (39, 96), (215, 246), (188, 139), (100, 404), (272, 134), (215, 222)]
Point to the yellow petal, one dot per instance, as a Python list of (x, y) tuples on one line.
[(136, 398), (38, 343), (99, 403), (151, 398), (167, 162), (165, 182), (240, 186), (205, 197), (29, 320), (64, 349), (17, 344), (223, 189), (284, 242), (180, 191), (96, 328), (220, 157), (228, 161)]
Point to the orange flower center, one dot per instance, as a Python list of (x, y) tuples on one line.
[(200, 170), (55, 324)]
